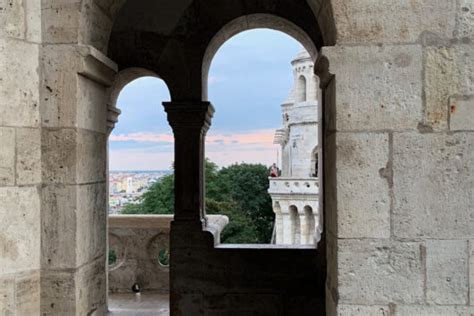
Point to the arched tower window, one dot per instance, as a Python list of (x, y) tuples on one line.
[(301, 89), (315, 163), (295, 227), (310, 226)]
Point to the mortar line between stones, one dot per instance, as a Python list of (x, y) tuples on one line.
[(25, 19), (424, 263), (390, 183), (15, 156), (423, 87), (468, 249), (382, 131)]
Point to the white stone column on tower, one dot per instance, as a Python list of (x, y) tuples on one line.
[(296, 191)]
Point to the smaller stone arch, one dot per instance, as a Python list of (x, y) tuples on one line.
[(310, 227), (249, 22), (122, 79), (315, 162), (295, 225), (301, 89)]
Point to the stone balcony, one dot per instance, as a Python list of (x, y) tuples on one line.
[(283, 185), (139, 254)]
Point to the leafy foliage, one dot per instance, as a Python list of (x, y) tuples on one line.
[(158, 199), (238, 191)]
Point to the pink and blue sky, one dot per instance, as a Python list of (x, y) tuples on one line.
[(249, 78)]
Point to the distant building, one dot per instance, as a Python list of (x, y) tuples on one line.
[(295, 194)]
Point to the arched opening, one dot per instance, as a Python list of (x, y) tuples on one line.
[(277, 234), (295, 141), (295, 225), (250, 22), (315, 163), (240, 148), (301, 89), (140, 182), (310, 225), (177, 42)]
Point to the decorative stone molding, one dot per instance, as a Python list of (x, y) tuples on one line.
[(139, 245), (288, 186), (112, 117), (189, 115), (96, 66), (190, 122)]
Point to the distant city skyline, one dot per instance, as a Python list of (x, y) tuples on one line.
[(249, 78)]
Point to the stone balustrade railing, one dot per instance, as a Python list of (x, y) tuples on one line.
[(139, 250), (282, 185)]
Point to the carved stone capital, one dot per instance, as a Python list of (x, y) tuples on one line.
[(112, 117), (189, 115)]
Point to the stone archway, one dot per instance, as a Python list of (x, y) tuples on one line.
[(169, 38)]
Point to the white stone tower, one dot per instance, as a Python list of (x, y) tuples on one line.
[(295, 193)]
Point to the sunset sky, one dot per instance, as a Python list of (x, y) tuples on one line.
[(249, 78)]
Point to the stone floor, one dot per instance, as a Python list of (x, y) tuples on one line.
[(144, 304)]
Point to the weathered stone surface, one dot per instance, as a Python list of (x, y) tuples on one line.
[(59, 86), (389, 21), (427, 310), (7, 156), (461, 113), (12, 19), (7, 295), (59, 155), (72, 100), (58, 293), (19, 229), (377, 87), (362, 192), (448, 72), (97, 27), (91, 222), (81, 158), (21, 19), (91, 157), (447, 275), (433, 177), (28, 156), (19, 103), (92, 105), (91, 288), (360, 310), (58, 241), (375, 272), (27, 294), (465, 20), (33, 21), (61, 21), (471, 271)]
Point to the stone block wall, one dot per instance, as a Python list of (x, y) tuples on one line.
[(53, 131), (137, 241), (74, 111), (20, 157), (400, 133), (399, 160)]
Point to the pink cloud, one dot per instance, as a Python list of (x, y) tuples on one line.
[(260, 137), (143, 137), (222, 148)]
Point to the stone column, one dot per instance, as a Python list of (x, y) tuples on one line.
[(190, 122), (188, 238)]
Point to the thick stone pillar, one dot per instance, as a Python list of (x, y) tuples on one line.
[(188, 239), (75, 124), (190, 122)]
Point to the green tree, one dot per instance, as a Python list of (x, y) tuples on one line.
[(247, 186), (158, 199), (238, 191)]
